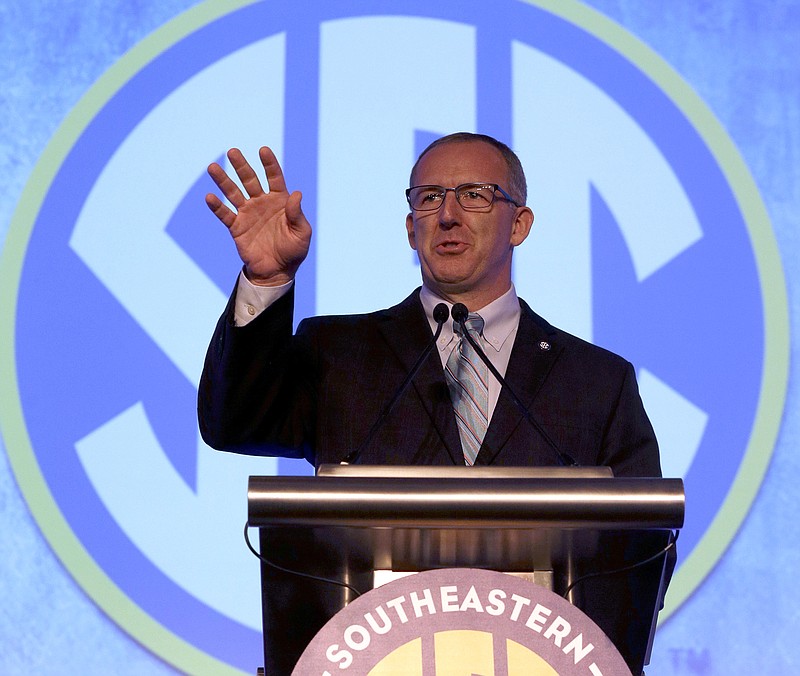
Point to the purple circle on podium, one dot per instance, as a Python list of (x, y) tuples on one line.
[(461, 620)]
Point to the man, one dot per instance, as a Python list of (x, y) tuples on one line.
[(321, 394), (318, 394)]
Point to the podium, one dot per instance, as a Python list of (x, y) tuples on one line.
[(602, 542)]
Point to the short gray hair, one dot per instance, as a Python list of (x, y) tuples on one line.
[(518, 185)]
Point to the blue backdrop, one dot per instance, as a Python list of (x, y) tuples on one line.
[(677, 123)]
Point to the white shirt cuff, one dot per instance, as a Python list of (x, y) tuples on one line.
[(252, 300)]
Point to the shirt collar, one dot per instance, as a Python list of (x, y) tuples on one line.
[(500, 317)]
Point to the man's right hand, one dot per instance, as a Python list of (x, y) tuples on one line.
[(271, 233)]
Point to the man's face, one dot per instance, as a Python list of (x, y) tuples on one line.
[(465, 256)]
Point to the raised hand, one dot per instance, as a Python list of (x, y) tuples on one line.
[(271, 233)]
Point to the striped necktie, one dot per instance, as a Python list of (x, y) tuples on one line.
[(468, 379)]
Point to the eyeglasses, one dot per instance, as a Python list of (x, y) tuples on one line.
[(471, 196)]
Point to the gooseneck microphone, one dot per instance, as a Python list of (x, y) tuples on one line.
[(460, 314), (440, 316)]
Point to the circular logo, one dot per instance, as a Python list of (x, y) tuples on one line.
[(650, 239), (461, 621)]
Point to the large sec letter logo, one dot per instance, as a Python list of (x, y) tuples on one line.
[(650, 239)]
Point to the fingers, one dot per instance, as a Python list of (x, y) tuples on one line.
[(247, 176), (294, 212), (272, 168), (226, 185), (220, 210), (252, 188), (245, 173)]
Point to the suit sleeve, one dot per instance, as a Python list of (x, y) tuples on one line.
[(631, 450), (629, 444), (256, 392)]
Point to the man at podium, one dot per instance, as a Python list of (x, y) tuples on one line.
[(340, 388), (461, 372)]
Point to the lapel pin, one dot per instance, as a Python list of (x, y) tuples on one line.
[(544, 346)]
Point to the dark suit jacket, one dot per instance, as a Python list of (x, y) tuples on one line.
[(316, 394)]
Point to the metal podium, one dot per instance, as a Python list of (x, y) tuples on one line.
[(600, 541)]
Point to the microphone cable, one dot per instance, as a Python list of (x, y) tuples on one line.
[(460, 314), (673, 539), (289, 571), (440, 315)]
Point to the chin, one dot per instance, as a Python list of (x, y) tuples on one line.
[(451, 282), (453, 274)]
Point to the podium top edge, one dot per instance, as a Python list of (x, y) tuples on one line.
[(463, 472), (464, 500)]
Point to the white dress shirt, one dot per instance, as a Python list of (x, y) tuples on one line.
[(500, 324)]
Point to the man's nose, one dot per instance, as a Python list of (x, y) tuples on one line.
[(450, 211)]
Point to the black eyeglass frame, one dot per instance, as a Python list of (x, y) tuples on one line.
[(494, 186)]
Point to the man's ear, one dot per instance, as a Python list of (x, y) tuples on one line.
[(523, 222), (412, 236)]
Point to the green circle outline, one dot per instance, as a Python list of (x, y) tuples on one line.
[(163, 642)]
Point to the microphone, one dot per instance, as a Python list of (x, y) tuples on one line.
[(440, 316), (460, 315)]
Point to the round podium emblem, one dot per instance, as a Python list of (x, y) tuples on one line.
[(461, 621)]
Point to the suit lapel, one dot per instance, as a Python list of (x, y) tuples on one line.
[(532, 357), (405, 329)]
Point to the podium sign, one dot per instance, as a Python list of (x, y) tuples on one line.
[(344, 524), (465, 621)]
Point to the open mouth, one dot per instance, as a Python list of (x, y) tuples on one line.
[(451, 246)]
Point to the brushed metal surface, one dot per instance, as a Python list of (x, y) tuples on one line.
[(466, 502)]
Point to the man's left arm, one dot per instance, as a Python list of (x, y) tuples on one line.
[(629, 443)]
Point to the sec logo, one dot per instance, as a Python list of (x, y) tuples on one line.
[(650, 239)]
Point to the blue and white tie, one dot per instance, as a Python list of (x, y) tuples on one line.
[(468, 379)]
